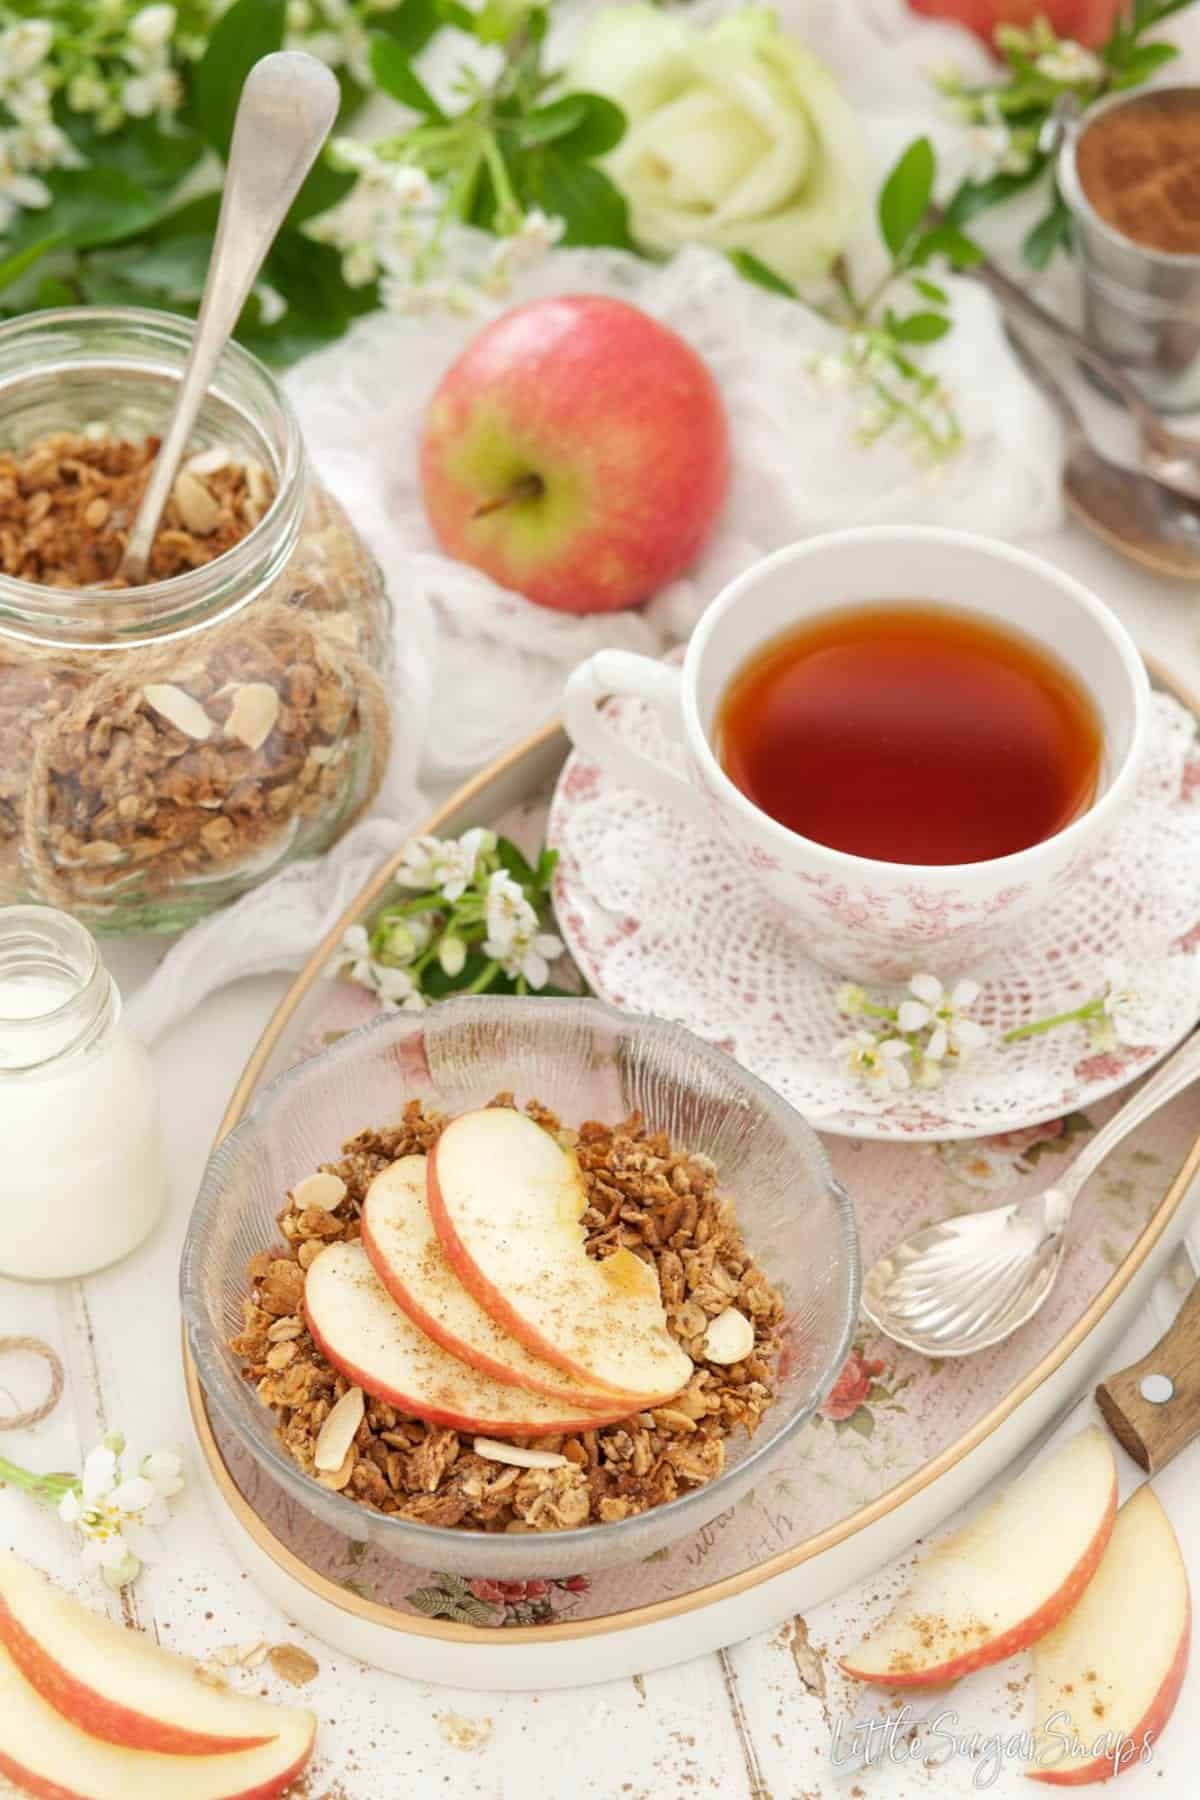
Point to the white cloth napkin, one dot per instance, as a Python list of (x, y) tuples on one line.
[(475, 665)]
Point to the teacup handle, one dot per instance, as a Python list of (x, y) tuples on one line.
[(619, 672)]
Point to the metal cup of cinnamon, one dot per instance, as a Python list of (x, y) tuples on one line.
[(1130, 174)]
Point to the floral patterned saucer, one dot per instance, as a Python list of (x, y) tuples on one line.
[(662, 920)]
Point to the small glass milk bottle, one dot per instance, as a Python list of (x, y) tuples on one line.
[(81, 1176)]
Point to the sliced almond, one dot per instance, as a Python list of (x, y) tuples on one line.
[(494, 1451), (324, 1191), (179, 709), (730, 1337), (253, 715), (197, 508), (252, 1654), (210, 461), (283, 1330), (337, 1433), (337, 1479)]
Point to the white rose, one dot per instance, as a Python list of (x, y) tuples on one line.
[(736, 137)]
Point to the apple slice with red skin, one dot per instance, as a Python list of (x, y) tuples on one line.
[(56, 1758), (115, 1684), (507, 1203), (1115, 1664), (1004, 1579), (359, 1328), (398, 1236)]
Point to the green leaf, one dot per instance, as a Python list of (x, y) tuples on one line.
[(592, 209), (432, 1603), (89, 207), (176, 265), (905, 195), (21, 260), (863, 1422), (514, 861), (919, 328), (547, 862), (973, 197), (1051, 233), (412, 24), (586, 124), (749, 267), (929, 290), (249, 30), (391, 65), (53, 290), (324, 186), (1142, 62), (454, 1584), (948, 241), (155, 157)]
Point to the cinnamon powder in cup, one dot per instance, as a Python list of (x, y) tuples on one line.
[(1139, 165)]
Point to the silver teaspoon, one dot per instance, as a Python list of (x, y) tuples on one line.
[(1170, 456), (966, 1284), (1131, 512), (285, 113)]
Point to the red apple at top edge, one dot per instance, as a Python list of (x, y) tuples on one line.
[(1087, 21), (1111, 1672), (577, 452), (1005, 1578)]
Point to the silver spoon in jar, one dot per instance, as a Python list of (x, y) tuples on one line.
[(966, 1284), (287, 107), (1133, 514), (1170, 456)]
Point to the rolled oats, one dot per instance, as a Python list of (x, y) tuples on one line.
[(401, 1465)]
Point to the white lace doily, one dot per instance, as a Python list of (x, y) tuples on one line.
[(662, 920)]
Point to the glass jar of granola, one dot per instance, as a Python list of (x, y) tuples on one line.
[(163, 748)]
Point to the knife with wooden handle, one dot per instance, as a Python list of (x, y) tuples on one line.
[(1153, 1407)]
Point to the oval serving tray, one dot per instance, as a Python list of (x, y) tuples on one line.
[(900, 1443)]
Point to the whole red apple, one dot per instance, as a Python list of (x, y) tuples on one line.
[(1087, 21), (577, 451)]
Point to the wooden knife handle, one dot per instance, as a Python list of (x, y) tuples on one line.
[(1153, 1430)]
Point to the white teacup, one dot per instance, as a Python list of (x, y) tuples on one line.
[(853, 914)]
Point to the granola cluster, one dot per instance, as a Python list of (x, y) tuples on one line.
[(128, 777), (67, 503), (659, 1202)]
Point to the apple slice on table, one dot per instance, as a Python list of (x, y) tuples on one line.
[(1109, 1675), (398, 1236), (57, 1758), (1004, 1579), (116, 1684), (507, 1203), (362, 1332)]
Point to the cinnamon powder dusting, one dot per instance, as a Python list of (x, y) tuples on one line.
[(1139, 165)]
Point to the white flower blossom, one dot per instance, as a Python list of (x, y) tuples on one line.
[(355, 957), (119, 1498), (880, 1065), (452, 955), (514, 938), (1069, 63), (159, 90), (151, 28), (1135, 1013), (411, 186), (945, 1015), (397, 987), (23, 48), (445, 864)]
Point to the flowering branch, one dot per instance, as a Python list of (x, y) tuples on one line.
[(1123, 1013), (1012, 122), (477, 924), (929, 1030), (113, 1505), (882, 342)]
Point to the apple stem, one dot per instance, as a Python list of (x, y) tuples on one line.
[(525, 487)]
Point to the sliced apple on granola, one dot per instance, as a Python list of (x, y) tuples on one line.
[(399, 1238), (507, 1203), (358, 1327)]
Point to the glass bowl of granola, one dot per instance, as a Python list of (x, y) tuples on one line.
[(166, 747), (444, 1441)]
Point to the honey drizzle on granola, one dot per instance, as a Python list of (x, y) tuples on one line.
[(662, 1205)]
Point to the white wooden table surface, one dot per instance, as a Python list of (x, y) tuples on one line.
[(742, 1723)]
